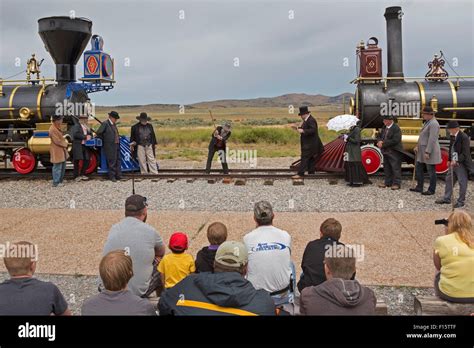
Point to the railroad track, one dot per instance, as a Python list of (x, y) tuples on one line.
[(188, 173)]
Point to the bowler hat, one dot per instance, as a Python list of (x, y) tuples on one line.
[(303, 110), (114, 114), (452, 124), (143, 116), (388, 117)]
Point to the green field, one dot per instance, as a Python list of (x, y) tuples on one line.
[(186, 135)]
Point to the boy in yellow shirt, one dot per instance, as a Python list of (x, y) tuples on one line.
[(178, 265)]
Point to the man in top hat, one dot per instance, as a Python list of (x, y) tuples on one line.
[(390, 143), (428, 152), (110, 136), (80, 134), (459, 163), (311, 145), (143, 143), (218, 144)]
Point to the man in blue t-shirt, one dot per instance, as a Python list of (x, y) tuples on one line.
[(24, 295)]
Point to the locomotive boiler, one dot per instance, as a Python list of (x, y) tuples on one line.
[(26, 106), (405, 97)]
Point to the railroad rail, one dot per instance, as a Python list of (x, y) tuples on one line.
[(189, 173)]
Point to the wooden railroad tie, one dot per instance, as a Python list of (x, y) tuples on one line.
[(227, 180), (268, 182), (190, 180), (240, 182), (298, 182), (171, 180), (211, 181)]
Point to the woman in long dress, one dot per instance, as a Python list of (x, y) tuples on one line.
[(355, 175)]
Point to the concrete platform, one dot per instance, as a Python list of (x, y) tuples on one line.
[(397, 246)]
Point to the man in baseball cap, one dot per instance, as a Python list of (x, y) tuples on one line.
[(223, 292)]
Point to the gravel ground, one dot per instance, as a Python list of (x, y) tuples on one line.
[(314, 196), (76, 289)]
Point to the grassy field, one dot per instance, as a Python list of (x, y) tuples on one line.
[(186, 135)]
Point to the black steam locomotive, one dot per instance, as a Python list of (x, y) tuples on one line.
[(449, 97), (26, 106)]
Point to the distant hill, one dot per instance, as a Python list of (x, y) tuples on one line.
[(295, 99)]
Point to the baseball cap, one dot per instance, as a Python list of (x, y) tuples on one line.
[(135, 203), (263, 211), (178, 241), (232, 254)]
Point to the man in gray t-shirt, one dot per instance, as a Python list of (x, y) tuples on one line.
[(141, 242)]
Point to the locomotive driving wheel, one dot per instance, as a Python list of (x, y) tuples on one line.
[(371, 158), (24, 161)]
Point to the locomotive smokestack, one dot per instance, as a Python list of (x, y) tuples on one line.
[(393, 16), (65, 39)]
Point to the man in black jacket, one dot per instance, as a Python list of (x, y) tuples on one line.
[(143, 143), (311, 145), (110, 136), (224, 292), (390, 143), (460, 161), (218, 144), (80, 134), (314, 253)]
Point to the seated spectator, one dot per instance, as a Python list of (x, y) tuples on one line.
[(116, 270), (23, 294), (313, 256), (178, 265), (454, 259), (270, 266), (216, 235), (338, 295), (142, 243), (224, 292)]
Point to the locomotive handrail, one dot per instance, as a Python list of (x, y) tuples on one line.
[(409, 78), (2, 81)]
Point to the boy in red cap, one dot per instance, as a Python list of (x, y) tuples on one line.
[(178, 265)]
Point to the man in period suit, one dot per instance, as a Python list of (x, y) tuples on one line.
[(390, 143), (428, 152), (460, 161), (80, 134), (143, 143), (109, 134), (218, 144), (311, 145)]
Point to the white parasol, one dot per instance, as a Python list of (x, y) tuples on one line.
[(342, 122)]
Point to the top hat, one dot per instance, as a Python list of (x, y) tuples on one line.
[(114, 114), (303, 110), (143, 117)]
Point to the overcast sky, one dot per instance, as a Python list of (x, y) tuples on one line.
[(188, 60)]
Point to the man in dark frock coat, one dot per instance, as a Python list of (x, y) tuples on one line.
[(311, 145), (110, 136)]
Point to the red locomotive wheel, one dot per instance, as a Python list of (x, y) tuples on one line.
[(371, 159), (92, 162), (442, 167), (24, 161)]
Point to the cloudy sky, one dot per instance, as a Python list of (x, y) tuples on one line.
[(176, 60)]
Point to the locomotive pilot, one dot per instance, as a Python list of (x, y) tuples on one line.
[(218, 144)]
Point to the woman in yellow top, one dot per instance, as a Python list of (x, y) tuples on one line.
[(454, 259)]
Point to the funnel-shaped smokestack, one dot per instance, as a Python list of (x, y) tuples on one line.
[(393, 16), (65, 39)]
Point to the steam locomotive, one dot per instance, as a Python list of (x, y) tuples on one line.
[(449, 97), (26, 106)]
